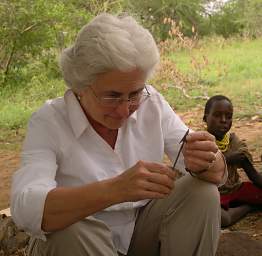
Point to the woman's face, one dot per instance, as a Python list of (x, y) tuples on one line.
[(219, 118), (114, 84)]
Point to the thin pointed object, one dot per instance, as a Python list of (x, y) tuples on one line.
[(183, 140)]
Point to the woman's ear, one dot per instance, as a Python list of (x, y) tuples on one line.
[(77, 93)]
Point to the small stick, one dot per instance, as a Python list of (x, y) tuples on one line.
[(183, 140)]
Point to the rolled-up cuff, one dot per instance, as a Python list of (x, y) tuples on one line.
[(28, 207)]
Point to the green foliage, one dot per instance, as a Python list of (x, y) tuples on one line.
[(34, 30), (17, 104), (98, 6), (252, 17), (242, 17), (186, 13), (226, 21)]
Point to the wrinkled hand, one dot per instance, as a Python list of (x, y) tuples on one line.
[(199, 151), (236, 158), (146, 180)]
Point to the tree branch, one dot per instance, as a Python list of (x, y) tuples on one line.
[(181, 88), (33, 26), (8, 63)]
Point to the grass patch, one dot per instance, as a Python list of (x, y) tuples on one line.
[(232, 68), (17, 105)]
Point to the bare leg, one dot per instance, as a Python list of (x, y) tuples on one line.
[(232, 215)]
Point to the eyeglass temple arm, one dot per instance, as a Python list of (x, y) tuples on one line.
[(147, 91)]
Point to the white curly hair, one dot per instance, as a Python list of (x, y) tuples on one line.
[(108, 43)]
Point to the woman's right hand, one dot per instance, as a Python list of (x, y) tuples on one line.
[(145, 180)]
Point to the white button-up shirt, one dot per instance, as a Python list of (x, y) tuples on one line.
[(62, 149)]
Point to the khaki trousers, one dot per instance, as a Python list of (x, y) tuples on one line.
[(186, 223)]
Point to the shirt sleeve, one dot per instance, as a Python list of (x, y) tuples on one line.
[(174, 130), (36, 176)]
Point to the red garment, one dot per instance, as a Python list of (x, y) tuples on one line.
[(248, 193)]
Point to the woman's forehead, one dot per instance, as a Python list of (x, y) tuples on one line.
[(116, 76), (116, 80)]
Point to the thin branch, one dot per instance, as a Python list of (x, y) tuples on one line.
[(8, 63), (2, 59), (29, 28), (181, 88), (33, 26), (10, 59), (2, 63)]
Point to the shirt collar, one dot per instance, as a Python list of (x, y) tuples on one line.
[(133, 116), (76, 115)]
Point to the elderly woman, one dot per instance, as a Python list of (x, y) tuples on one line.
[(92, 181)]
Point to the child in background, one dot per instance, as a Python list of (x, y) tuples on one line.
[(237, 198)]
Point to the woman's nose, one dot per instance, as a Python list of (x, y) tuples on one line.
[(124, 108)]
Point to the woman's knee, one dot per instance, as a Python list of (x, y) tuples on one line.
[(208, 192), (56, 242), (192, 194), (68, 234), (202, 191), (86, 237)]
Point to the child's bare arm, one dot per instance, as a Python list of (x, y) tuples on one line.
[(252, 173), (238, 152), (235, 158)]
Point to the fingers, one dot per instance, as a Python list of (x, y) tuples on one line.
[(156, 177), (198, 164), (145, 180), (200, 150), (162, 169), (207, 156), (160, 179), (200, 136), (156, 187)]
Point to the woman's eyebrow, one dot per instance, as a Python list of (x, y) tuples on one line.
[(137, 91), (120, 93)]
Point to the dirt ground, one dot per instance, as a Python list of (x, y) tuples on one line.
[(248, 129)]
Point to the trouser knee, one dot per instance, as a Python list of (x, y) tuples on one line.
[(202, 193), (70, 235), (87, 237)]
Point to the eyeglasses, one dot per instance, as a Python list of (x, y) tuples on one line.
[(134, 100)]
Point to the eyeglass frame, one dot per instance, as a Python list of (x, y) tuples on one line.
[(119, 100)]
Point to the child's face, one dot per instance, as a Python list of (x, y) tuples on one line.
[(219, 119)]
